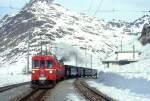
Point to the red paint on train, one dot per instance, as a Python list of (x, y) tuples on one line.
[(46, 70)]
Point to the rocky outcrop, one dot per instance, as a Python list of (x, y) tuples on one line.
[(145, 35)]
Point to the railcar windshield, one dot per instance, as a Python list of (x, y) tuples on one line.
[(49, 64), (35, 64), (42, 63)]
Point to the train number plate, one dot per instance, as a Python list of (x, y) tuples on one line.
[(42, 78)]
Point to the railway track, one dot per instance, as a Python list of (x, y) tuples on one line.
[(90, 93), (2, 89), (33, 95)]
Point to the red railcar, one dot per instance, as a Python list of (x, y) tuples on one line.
[(46, 71)]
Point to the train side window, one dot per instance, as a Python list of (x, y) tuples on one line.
[(49, 64), (42, 63), (35, 63)]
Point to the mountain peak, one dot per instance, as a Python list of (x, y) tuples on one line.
[(35, 1), (42, 0)]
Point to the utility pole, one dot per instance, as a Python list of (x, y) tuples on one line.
[(76, 61), (133, 52), (121, 45), (28, 41), (41, 43), (85, 58), (55, 50), (46, 50), (91, 61)]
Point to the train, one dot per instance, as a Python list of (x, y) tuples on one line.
[(47, 71)]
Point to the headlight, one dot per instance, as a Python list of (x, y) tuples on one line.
[(50, 71), (33, 71)]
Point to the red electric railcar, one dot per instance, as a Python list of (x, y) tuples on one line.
[(46, 71)]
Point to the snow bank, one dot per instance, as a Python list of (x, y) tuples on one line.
[(135, 85), (10, 79), (118, 94), (74, 97), (128, 82)]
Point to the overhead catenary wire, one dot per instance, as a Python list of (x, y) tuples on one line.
[(114, 10), (11, 7), (90, 6), (98, 8), (25, 1)]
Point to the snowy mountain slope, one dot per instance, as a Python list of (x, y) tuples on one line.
[(53, 25), (56, 25), (139, 23)]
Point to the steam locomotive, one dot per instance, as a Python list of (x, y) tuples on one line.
[(47, 70)]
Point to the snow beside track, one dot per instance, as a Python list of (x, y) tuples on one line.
[(10, 79), (126, 83), (119, 94)]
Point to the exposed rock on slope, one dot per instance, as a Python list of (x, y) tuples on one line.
[(145, 36)]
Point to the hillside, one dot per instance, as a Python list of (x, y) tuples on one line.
[(53, 25)]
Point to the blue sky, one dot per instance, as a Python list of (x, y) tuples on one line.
[(127, 10)]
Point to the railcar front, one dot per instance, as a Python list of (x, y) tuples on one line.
[(44, 71)]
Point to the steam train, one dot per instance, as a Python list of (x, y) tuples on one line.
[(47, 70)]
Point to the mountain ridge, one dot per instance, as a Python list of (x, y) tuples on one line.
[(55, 24)]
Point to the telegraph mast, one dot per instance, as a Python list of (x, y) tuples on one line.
[(28, 42)]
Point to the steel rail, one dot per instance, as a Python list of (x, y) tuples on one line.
[(5, 88), (34, 95), (90, 93)]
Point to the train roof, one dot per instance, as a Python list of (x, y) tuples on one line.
[(43, 57), (72, 66)]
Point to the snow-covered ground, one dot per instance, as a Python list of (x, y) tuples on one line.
[(129, 82), (14, 73), (118, 93), (10, 79), (73, 97)]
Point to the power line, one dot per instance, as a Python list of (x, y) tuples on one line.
[(122, 11), (99, 6), (11, 7), (90, 6), (112, 10), (25, 1)]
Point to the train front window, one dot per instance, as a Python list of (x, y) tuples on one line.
[(49, 64), (35, 64), (42, 63)]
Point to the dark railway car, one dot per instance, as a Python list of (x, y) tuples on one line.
[(67, 71), (80, 72), (73, 71), (94, 73), (70, 71), (87, 72)]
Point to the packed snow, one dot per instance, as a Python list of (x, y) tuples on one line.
[(10, 79), (126, 83), (74, 97)]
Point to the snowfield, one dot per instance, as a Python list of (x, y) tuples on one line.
[(119, 94), (126, 83), (10, 79)]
